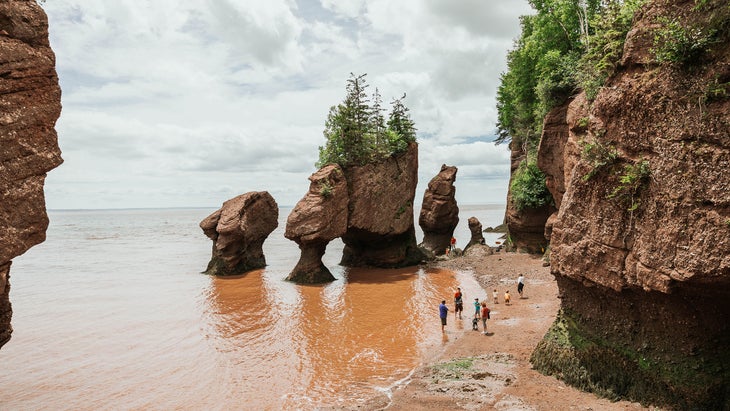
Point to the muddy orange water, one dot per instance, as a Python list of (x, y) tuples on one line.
[(112, 313)]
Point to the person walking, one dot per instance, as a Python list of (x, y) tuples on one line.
[(506, 297), (458, 303), (443, 313), (520, 284), (495, 296), (485, 316), (477, 308)]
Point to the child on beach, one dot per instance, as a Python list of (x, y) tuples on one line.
[(495, 295), (458, 303), (485, 316), (506, 297), (477, 308)]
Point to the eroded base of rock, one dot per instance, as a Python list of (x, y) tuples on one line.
[(658, 349), (310, 269)]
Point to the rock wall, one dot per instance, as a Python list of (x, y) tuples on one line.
[(30, 103), (640, 245), (439, 212), (380, 230)]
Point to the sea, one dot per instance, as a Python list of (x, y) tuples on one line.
[(112, 312)]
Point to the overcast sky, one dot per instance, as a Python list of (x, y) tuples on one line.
[(170, 103)]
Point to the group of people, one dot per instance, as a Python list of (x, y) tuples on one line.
[(481, 311)]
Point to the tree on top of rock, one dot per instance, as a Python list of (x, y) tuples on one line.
[(357, 134)]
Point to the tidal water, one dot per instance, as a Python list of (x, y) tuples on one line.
[(112, 312)]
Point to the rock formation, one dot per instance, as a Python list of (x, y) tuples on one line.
[(476, 233), (30, 103), (526, 227), (238, 230), (640, 245), (380, 229), (439, 212), (317, 219)]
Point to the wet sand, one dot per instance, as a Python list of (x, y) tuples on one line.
[(474, 371)]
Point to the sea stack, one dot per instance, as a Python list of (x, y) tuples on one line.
[(380, 231), (439, 212), (30, 98), (476, 233), (317, 219), (238, 230)]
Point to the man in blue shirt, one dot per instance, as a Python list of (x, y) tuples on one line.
[(443, 313)]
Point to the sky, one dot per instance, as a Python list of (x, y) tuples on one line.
[(187, 103)]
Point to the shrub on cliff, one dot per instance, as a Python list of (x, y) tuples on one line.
[(528, 187), (356, 133)]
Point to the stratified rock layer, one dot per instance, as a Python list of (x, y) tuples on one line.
[(642, 258), (380, 229), (317, 219), (238, 230), (30, 103), (439, 212)]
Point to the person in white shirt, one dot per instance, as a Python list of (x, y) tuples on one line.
[(520, 284)]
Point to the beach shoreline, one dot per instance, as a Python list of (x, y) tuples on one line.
[(474, 371)]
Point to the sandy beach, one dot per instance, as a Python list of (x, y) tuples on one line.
[(474, 371)]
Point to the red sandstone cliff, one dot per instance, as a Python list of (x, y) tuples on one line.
[(640, 245), (30, 103), (380, 230)]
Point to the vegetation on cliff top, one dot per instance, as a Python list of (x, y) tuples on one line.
[(567, 45), (356, 132)]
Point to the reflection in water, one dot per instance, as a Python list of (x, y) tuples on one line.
[(305, 346), (109, 314)]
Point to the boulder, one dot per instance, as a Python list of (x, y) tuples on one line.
[(476, 233), (380, 230), (439, 212), (238, 230), (30, 104), (317, 219)]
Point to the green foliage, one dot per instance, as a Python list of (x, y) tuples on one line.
[(528, 187), (631, 180), (605, 44), (356, 132), (566, 45), (325, 189), (717, 91), (598, 156), (675, 43)]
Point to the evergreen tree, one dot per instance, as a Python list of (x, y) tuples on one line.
[(356, 133), (401, 128)]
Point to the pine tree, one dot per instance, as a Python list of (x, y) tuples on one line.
[(402, 130)]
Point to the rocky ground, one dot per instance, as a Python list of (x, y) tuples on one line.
[(484, 372)]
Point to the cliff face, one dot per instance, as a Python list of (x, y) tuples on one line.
[(380, 229), (30, 103), (640, 244)]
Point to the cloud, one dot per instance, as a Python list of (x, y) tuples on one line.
[(179, 103)]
